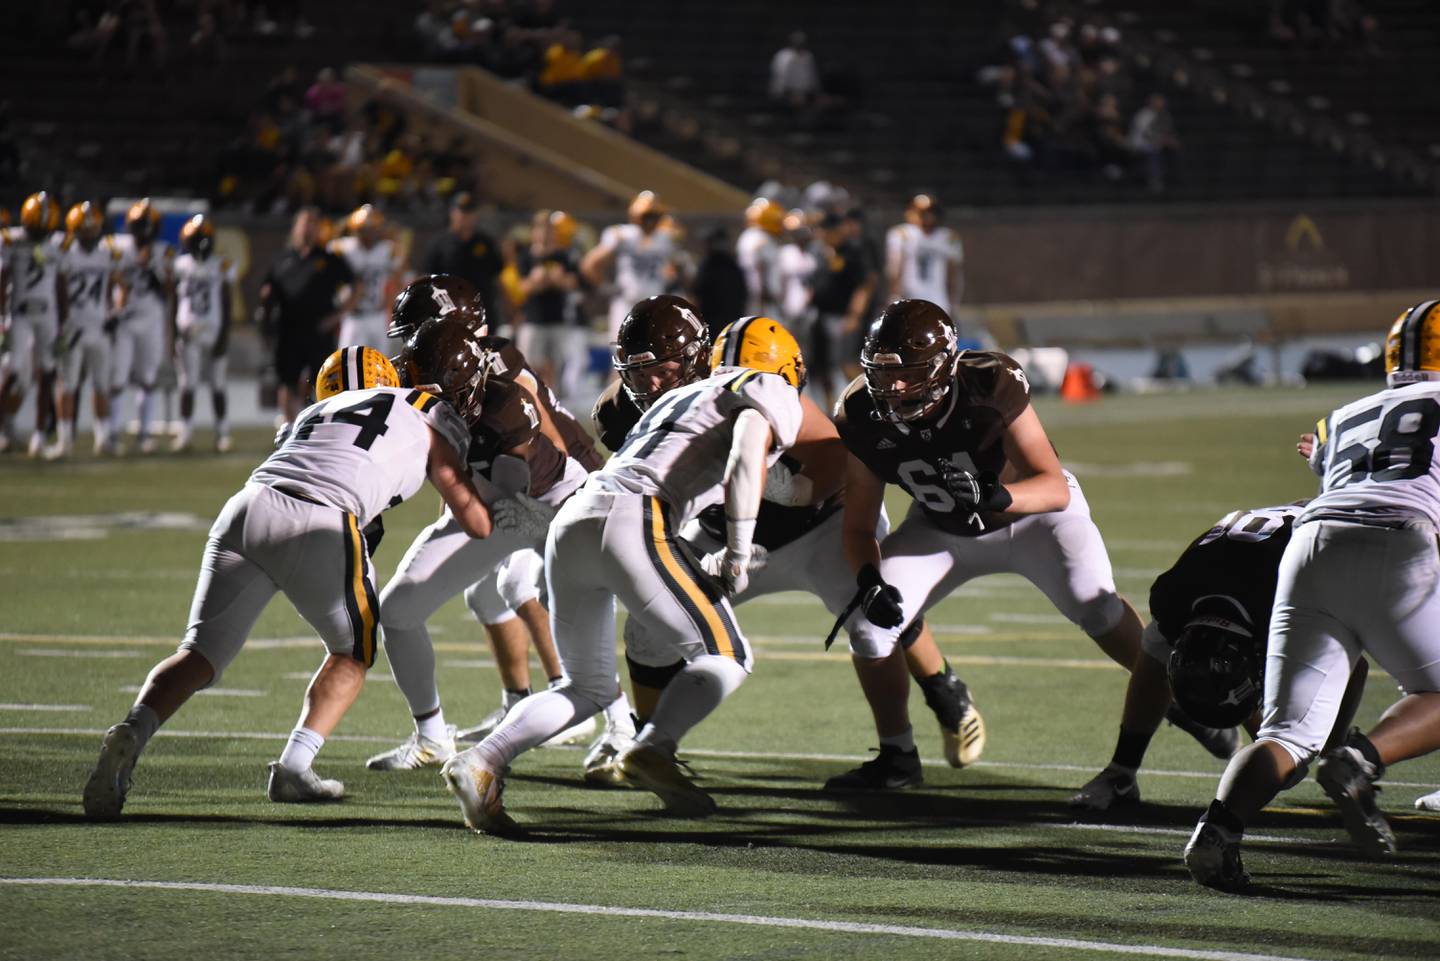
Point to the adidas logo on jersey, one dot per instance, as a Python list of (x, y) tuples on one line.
[(885, 444)]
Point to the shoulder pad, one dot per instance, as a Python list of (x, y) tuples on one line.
[(853, 404), (772, 396), (442, 419)]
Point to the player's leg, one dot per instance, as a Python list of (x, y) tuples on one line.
[(19, 367), (510, 646), (230, 593), (46, 333), (122, 373), (187, 368), (100, 366), (149, 351), (67, 393), (216, 372)]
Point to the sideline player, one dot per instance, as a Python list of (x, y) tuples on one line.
[(757, 250), (644, 255), (375, 261), (91, 262), (798, 528), (617, 538), (923, 258), (367, 445), (203, 283), (1359, 576), (33, 311), (147, 296), (957, 433)]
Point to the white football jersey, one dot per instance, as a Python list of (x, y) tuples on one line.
[(88, 280), (759, 256), (146, 283), (924, 261), (33, 266), (795, 267), (363, 450), (1376, 458), (373, 267), (199, 287), (679, 449), (640, 260)]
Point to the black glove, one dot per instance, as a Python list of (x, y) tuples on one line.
[(879, 601), (372, 534), (975, 492)]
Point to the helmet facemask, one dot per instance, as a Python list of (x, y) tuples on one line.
[(904, 393), (637, 371)]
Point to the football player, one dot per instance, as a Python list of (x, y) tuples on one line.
[(957, 433), (1217, 594), (33, 310), (758, 251), (510, 452), (147, 295), (798, 529), (706, 442), (923, 258), (91, 264), (365, 446), (203, 283), (375, 260), (643, 253), (1358, 576)]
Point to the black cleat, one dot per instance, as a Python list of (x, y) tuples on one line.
[(890, 770), (1221, 742)]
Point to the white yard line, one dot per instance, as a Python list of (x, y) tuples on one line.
[(44, 707), (57, 652), (708, 917), (211, 691)]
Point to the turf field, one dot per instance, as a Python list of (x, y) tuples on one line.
[(97, 563)]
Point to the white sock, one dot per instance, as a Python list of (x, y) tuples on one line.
[(102, 430), (301, 749), (144, 721), (689, 698), (222, 428), (412, 664), (905, 740), (534, 721), (147, 411), (433, 727), (117, 402), (619, 717), (65, 431)]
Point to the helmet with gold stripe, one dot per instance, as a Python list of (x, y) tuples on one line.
[(563, 227), (647, 210), (366, 222), (143, 221), (354, 368), (1412, 348), (760, 344), (197, 237), (767, 215), (85, 223), (40, 215)]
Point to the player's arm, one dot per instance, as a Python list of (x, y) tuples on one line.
[(855, 311), (62, 297), (894, 262), (744, 481), (596, 264), (1033, 479), (452, 480), (547, 423), (822, 457), (864, 496), (1312, 447), (6, 276), (952, 273)]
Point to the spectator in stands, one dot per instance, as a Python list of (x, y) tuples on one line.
[(207, 46), (794, 78), (469, 253), (1108, 138), (325, 100), (1153, 139), (301, 309), (719, 287)]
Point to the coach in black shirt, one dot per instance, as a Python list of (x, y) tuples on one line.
[(468, 253), (842, 286), (301, 309)]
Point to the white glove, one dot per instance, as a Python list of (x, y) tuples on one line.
[(1111, 786), (729, 569), (523, 516)]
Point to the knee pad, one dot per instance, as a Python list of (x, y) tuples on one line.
[(1301, 755), (1102, 614), (486, 603), (399, 604), (521, 579), (651, 676)]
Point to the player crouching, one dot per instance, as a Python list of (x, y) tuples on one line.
[(296, 527)]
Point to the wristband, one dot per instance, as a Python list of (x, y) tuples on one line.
[(739, 535)]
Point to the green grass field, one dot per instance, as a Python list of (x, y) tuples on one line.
[(97, 564)]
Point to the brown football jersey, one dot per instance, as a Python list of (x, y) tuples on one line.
[(989, 392), (577, 442), (614, 415), (509, 419)]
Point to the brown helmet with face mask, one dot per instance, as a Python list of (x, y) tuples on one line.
[(436, 295), (909, 360), (445, 358), (659, 330)]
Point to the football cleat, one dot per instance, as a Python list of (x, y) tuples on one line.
[(599, 764), (643, 766), (110, 781), (889, 770), (962, 729), (480, 789), (1221, 742), (574, 734), (223, 444), (482, 730), (416, 752), (303, 787), (1349, 780), (37, 446), (58, 451), (1108, 789), (1213, 857), (148, 445), (1430, 802)]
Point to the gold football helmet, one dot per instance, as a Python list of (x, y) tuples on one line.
[(40, 215), (1412, 348), (365, 217), (760, 344), (646, 206), (84, 221), (564, 226), (143, 221), (197, 237), (354, 368), (767, 215)]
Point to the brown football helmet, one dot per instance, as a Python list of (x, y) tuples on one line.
[(437, 295), (909, 360), (446, 359), (659, 330)]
